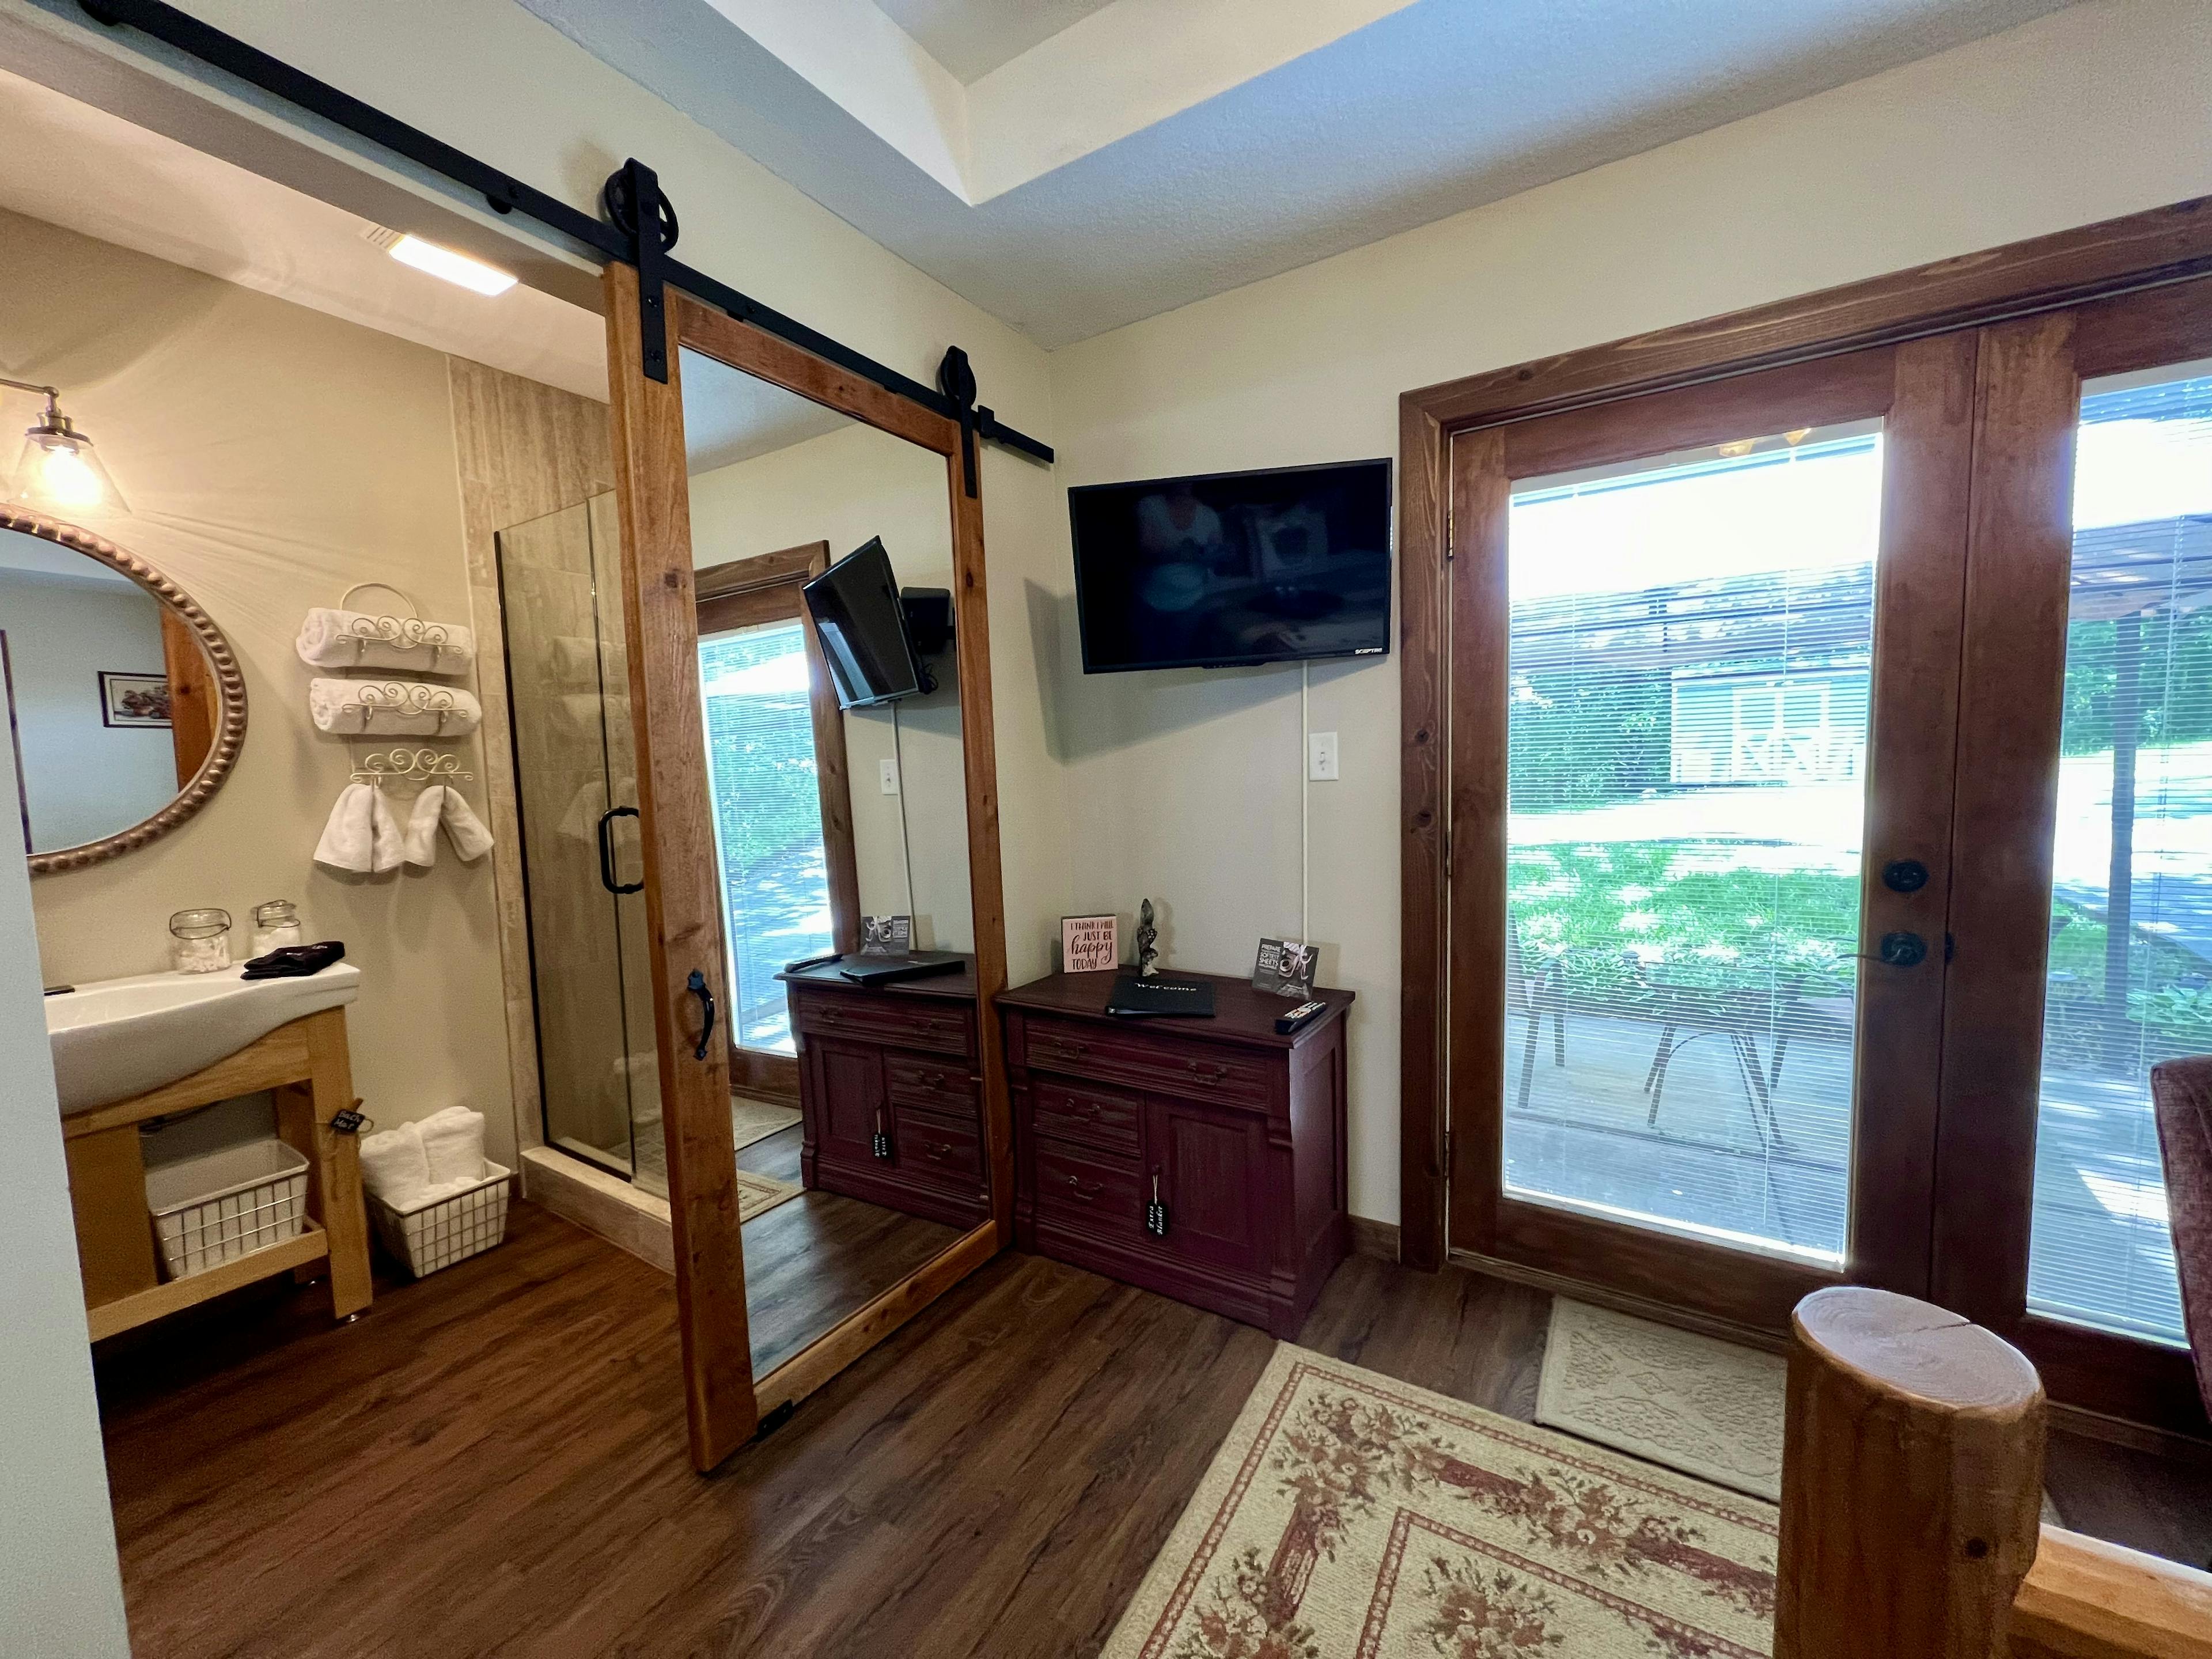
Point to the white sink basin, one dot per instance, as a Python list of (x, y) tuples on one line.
[(119, 1037)]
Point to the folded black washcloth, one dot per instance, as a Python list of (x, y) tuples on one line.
[(294, 961)]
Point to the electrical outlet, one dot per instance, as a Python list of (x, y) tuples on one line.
[(891, 777), (1321, 757)]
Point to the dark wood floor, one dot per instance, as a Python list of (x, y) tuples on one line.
[(491, 1462), (816, 1258)]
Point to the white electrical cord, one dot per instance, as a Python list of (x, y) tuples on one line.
[(1305, 802), (906, 851)]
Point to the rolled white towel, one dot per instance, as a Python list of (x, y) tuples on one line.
[(395, 1164), (361, 639), (349, 838), (454, 1142), (394, 707)]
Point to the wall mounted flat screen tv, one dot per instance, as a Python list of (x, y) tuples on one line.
[(862, 625), (1234, 568)]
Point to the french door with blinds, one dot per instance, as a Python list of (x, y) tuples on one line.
[(1830, 841)]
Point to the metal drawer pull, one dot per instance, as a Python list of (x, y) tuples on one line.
[(933, 1080), (1087, 1191), (936, 1151), (1208, 1068)]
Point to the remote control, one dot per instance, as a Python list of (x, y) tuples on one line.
[(1286, 1024)]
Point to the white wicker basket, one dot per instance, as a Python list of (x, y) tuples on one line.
[(223, 1205), (445, 1230)]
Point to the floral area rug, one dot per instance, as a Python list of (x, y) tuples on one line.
[(1351, 1516)]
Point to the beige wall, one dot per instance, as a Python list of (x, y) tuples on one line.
[(270, 456), (1185, 785), (515, 93), (843, 488)]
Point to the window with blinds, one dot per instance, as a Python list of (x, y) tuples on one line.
[(1690, 644), (2131, 961), (753, 693)]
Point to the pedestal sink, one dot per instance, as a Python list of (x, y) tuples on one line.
[(119, 1037)]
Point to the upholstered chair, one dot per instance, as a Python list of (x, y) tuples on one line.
[(2182, 1090)]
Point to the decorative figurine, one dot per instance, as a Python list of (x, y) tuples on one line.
[(1147, 958)]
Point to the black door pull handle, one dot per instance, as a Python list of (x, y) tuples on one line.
[(697, 986), (1904, 950), (607, 851)]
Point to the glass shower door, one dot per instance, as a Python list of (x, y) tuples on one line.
[(576, 788)]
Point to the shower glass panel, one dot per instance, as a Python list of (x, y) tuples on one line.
[(567, 676)]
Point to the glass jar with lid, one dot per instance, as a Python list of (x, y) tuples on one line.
[(199, 941), (275, 925)]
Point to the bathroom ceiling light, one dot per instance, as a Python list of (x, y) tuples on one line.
[(472, 274), (59, 472)]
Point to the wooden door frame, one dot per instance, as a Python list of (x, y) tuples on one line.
[(2045, 273), (2016, 620), (725, 1400), (1924, 392), (765, 588)]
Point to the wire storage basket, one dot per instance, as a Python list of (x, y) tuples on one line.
[(444, 1230), (223, 1205)]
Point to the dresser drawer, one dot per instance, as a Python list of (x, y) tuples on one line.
[(932, 1147), (934, 1086), (1094, 1118), (906, 1022), (1209, 1071), (1095, 1195)]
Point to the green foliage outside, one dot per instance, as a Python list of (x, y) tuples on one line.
[(2175, 689), (761, 750)]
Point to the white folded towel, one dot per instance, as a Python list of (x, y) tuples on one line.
[(394, 707), (453, 1145), (362, 836), (441, 804), (587, 712), (361, 639), (395, 1164)]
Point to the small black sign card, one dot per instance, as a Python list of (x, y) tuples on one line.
[(1285, 970), (886, 936)]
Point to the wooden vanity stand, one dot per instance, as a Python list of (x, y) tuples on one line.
[(307, 1064)]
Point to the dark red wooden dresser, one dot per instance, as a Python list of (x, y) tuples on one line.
[(1242, 1130)]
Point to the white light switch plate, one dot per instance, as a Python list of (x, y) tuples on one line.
[(890, 777), (1321, 757)]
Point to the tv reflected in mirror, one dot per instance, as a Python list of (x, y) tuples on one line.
[(862, 624)]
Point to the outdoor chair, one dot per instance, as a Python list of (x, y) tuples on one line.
[(1532, 996)]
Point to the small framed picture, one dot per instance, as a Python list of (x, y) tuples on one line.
[(886, 936), (134, 699), (1285, 970), (1088, 944)]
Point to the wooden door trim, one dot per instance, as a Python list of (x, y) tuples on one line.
[(743, 592), (2143, 252), (683, 916), (2044, 273), (1925, 389), (2020, 565)]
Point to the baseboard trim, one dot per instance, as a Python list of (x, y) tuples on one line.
[(601, 1203), (2138, 1436), (1599, 1296), (1376, 1238)]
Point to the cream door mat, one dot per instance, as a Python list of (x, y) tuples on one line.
[(756, 1120), (1351, 1514), (1707, 1407), (758, 1194)]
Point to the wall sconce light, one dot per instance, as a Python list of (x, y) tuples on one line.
[(58, 470)]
